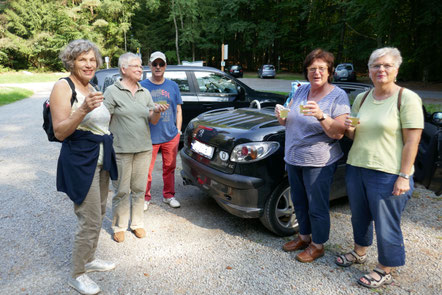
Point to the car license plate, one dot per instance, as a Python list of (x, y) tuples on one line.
[(202, 149)]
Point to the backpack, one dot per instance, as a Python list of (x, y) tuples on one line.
[(47, 118)]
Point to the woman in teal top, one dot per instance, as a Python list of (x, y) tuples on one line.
[(380, 166)]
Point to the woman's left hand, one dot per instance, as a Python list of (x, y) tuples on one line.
[(401, 186), (313, 110)]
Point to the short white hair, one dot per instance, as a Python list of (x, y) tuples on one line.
[(391, 51), (124, 60)]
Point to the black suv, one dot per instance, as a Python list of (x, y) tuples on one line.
[(236, 155), (235, 71), (202, 89)]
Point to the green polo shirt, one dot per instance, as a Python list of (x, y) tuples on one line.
[(130, 118)]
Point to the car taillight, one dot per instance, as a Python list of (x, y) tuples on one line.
[(253, 151)]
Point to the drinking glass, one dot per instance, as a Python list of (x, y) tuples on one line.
[(302, 106), (283, 112), (354, 118)]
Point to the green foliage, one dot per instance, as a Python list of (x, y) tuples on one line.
[(281, 32)]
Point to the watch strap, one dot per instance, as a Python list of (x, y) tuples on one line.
[(403, 175)]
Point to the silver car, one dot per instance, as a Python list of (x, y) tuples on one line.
[(267, 71)]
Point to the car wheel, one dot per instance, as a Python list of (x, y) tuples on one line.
[(279, 215)]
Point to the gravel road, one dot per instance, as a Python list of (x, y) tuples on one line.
[(197, 249)]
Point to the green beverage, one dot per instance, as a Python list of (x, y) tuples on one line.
[(283, 113), (303, 108), (354, 121)]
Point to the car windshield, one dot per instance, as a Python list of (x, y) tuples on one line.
[(269, 67), (235, 67)]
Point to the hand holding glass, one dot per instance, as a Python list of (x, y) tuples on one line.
[(302, 106), (354, 118)]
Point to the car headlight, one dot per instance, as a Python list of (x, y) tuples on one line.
[(253, 151)]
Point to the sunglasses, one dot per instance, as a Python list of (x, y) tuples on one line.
[(161, 64)]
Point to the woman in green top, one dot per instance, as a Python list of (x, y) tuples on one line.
[(380, 166)]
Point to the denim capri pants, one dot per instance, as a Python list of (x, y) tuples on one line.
[(310, 190), (370, 193)]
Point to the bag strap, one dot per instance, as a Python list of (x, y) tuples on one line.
[(363, 98), (72, 85), (399, 99)]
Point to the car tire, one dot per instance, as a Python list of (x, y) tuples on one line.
[(279, 215)]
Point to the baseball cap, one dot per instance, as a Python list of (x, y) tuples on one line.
[(156, 55)]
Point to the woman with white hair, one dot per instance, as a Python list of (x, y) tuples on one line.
[(87, 158), (379, 172), (131, 108)]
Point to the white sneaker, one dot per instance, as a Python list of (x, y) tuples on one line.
[(146, 205), (84, 285), (172, 202), (99, 265)]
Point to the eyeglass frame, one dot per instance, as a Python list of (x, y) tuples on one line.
[(387, 66), (320, 69)]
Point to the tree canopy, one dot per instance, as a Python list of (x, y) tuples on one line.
[(281, 32)]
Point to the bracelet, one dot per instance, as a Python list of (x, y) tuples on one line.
[(403, 175)]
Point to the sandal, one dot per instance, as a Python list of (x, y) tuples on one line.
[(346, 262), (385, 279)]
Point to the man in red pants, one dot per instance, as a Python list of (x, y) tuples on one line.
[(166, 133)]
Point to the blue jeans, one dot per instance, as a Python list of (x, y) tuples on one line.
[(310, 190), (371, 199)]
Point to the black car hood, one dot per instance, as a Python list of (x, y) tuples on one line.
[(264, 97), (226, 128)]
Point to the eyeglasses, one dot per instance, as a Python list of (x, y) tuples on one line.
[(377, 67), (320, 69), (135, 66), (161, 64)]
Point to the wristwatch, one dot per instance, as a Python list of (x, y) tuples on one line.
[(324, 116), (403, 175)]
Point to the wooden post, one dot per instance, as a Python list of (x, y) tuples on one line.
[(222, 57)]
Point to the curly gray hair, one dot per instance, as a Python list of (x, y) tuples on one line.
[(124, 60), (74, 49), (391, 51)]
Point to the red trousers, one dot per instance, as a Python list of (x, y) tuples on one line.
[(169, 151)]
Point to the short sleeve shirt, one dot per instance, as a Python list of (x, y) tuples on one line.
[(378, 142), (165, 130), (130, 118), (306, 142)]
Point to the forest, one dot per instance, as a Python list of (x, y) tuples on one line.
[(281, 32)]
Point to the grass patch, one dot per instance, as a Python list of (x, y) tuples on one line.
[(432, 108), (290, 76), (22, 77), (11, 94), (283, 76), (280, 92)]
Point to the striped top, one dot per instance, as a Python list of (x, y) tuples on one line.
[(306, 143)]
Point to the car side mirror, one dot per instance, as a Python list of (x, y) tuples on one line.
[(437, 118), (241, 92)]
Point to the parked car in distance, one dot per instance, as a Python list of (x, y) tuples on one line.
[(236, 155), (202, 89), (267, 71), (235, 71), (344, 72)]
